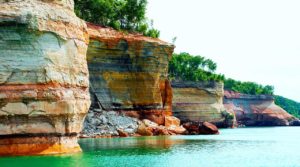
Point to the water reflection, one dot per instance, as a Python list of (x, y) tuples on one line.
[(137, 145), (234, 147)]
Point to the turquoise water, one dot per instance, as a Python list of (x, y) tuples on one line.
[(261, 147)]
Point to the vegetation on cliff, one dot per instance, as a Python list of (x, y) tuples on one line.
[(187, 67), (251, 88), (289, 105), (128, 15)]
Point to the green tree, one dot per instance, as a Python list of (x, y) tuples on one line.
[(289, 105), (248, 87), (187, 67), (128, 15)]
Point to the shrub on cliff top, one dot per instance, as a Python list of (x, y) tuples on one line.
[(126, 15), (251, 88)]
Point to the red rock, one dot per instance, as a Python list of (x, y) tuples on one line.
[(161, 131), (122, 133), (145, 131), (195, 128), (253, 110), (171, 121), (167, 96), (208, 128), (155, 116), (177, 129), (192, 127)]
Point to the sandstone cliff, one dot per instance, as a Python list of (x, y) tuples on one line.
[(43, 77), (200, 102), (251, 110), (128, 73)]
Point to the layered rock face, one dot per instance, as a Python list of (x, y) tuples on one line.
[(43, 77), (251, 110), (200, 102), (128, 73)]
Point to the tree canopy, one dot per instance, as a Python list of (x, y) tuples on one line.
[(289, 105), (129, 15), (187, 67), (248, 87)]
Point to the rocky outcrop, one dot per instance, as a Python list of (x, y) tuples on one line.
[(43, 77), (149, 128), (203, 128), (100, 123), (252, 110), (200, 102), (128, 73)]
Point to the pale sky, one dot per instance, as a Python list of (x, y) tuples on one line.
[(251, 40)]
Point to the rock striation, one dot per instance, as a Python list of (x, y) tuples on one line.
[(200, 102), (44, 82), (128, 73), (252, 110)]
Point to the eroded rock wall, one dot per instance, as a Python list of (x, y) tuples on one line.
[(128, 73), (200, 102), (43, 77), (251, 110)]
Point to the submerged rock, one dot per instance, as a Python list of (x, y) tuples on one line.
[(43, 77)]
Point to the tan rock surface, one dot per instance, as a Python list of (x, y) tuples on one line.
[(43, 76), (128, 73), (199, 102)]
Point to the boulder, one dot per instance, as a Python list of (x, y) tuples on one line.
[(196, 128), (149, 123), (177, 129), (144, 130), (122, 133), (207, 128), (171, 121), (161, 131), (192, 127)]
